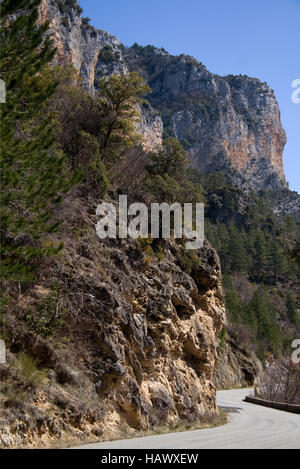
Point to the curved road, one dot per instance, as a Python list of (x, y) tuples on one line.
[(249, 426)]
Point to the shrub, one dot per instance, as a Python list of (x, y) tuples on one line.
[(146, 246), (165, 189), (280, 382), (85, 20), (27, 368), (94, 168), (189, 261), (50, 316), (61, 5), (170, 160), (106, 54), (65, 21)]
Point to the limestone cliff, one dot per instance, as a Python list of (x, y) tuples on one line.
[(130, 345), (229, 124), (237, 366), (78, 43), (94, 53)]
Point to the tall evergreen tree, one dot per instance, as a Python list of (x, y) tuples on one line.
[(267, 328), (237, 250), (232, 300), (119, 97), (275, 262), (33, 173), (294, 253), (170, 160), (291, 309), (259, 265)]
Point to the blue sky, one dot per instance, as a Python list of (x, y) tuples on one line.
[(259, 38)]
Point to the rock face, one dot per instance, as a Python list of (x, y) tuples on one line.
[(141, 335), (94, 53), (229, 124), (237, 367), (79, 44), (151, 127)]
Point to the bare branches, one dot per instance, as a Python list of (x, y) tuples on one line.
[(280, 382)]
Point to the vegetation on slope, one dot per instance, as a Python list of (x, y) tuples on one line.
[(261, 282), (70, 301)]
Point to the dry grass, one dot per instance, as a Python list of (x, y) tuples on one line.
[(207, 421)]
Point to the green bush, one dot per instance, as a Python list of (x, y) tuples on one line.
[(189, 261), (146, 245), (106, 54), (27, 368), (65, 21), (50, 315)]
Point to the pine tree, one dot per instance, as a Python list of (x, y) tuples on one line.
[(259, 266), (291, 309), (238, 253), (294, 253), (210, 234), (33, 173), (267, 328), (275, 262), (224, 246), (232, 299), (171, 159), (119, 97)]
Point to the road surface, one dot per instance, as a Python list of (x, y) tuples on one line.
[(249, 426)]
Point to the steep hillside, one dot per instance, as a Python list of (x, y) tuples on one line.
[(123, 339), (226, 123), (104, 337), (229, 124), (230, 127), (111, 338), (94, 53)]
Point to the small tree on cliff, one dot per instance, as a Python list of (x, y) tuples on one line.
[(77, 122), (294, 254), (33, 173), (291, 308), (119, 98), (170, 160)]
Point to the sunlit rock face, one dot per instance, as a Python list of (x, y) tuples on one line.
[(94, 53), (229, 124), (141, 347)]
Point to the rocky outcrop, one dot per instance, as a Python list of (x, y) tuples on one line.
[(124, 339), (237, 366), (229, 124), (80, 44), (284, 202), (151, 127), (94, 53)]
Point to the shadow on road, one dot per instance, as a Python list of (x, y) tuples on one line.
[(229, 409)]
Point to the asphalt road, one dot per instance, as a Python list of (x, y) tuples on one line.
[(249, 426)]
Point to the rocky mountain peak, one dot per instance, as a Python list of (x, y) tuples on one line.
[(230, 124)]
